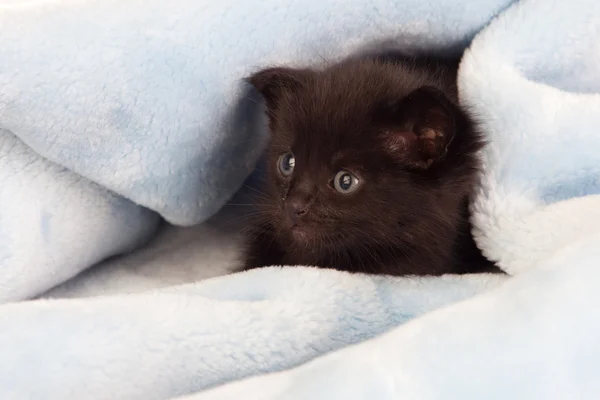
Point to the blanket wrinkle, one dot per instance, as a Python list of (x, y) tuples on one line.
[(108, 114), (54, 223), (529, 80), (147, 93)]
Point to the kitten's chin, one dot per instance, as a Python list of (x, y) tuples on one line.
[(300, 234), (303, 235)]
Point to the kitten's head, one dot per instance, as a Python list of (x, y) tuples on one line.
[(363, 154)]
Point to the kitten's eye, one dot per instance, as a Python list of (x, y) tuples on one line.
[(286, 164), (345, 182)]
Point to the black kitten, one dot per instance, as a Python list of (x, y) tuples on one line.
[(371, 164)]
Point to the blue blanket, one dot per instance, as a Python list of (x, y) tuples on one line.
[(147, 102), (117, 112)]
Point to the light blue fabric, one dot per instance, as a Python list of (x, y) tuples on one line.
[(54, 223), (175, 341), (535, 337), (146, 99), (532, 79)]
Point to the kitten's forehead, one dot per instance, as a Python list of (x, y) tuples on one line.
[(333, 114), (331, 135), (327, 128), (346, 96)]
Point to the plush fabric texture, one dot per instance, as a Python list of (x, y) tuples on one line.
[(54, 223), (147, 100), (157, 345), (535, 337), (531, 77), (144, 98)]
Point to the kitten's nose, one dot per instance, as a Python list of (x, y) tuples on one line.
[(295, 209)]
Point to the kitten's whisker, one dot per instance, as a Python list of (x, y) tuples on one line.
[(256, 190), (244, 217)]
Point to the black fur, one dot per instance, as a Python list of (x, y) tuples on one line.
[(396, 125)]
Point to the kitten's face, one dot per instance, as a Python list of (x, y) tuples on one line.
[(330, 184), (354, 159)]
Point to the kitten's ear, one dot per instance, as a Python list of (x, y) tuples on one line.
[(272, 82), (422, 127)]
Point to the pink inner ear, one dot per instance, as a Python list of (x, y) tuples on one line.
[(400, 141)]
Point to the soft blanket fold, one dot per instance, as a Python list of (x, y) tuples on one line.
[(146, 98), (150, 92), (187, 338), (532, 79), (53, 223), (505, 344)]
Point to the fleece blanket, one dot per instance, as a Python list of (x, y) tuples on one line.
[(152, 114), (146, 100)]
